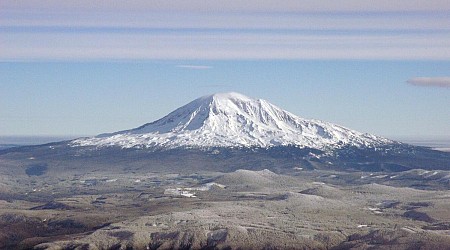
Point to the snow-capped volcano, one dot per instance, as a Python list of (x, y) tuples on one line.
[(234, 120)]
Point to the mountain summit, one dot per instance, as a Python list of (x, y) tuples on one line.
[(234, 120)]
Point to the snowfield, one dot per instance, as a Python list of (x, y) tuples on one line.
[(234, 120)]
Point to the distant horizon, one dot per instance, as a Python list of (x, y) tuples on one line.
[(68, 136), (24, 140)]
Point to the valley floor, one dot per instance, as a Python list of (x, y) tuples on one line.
[(305, 209)]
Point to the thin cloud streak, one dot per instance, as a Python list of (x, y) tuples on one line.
[(239, 45), (233, 5), (196, 67), (187, 20), (443, 82)]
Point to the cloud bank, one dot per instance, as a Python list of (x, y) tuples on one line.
[(194, 29), (443, 82)]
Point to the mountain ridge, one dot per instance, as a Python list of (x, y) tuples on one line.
[(234, 120)]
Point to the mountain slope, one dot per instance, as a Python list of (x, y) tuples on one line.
[(234, 120)]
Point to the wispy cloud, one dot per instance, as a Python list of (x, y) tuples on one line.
[(186, 29), (215, 86), (234, 5), (196, 67), (443, 82), (241, 45)]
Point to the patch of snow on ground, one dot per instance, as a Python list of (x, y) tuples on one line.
[(179, 192)]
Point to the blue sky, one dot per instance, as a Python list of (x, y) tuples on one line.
[(83, 68)]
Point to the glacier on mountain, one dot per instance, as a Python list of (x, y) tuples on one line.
[(234, 120)]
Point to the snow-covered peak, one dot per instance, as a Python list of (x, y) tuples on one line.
[(233, 120)]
